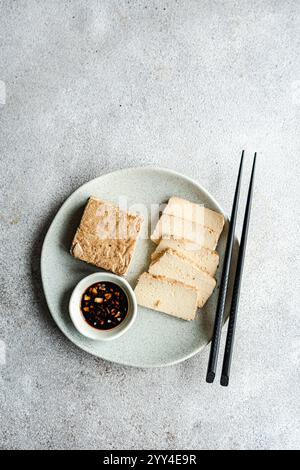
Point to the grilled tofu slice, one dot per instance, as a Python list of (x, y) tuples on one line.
[(106, 236)]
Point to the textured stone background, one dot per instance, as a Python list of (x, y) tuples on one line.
[(99, 85)]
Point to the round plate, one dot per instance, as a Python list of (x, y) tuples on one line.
[(155, 339)]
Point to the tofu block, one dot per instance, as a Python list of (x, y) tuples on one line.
[(203, 258), (173, 266), (166, 295), (197, 213), (175, 228), (106, 236)]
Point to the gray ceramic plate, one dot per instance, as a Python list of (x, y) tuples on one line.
[(155, 339)]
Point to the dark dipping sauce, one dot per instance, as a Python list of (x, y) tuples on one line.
[(104, 305)]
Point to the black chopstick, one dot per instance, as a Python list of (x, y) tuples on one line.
[(215, 344), (237, 286)]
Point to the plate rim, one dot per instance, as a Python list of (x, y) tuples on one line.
[(114, 172)]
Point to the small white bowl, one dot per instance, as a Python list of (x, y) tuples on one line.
[(78, 319)]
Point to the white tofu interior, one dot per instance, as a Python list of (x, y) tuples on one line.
[(170, 227), (187, 210), (165, 295), (203, 258), (173, 266)]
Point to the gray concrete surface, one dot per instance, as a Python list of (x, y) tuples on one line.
[(99, 85)]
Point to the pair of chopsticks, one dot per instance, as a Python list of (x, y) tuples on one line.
[(215, 344)]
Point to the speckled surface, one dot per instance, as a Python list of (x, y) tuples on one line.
[(180, 84)]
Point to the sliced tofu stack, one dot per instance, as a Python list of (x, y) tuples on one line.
[(167, 295), (203, 258), (180, 276), (173, 266)]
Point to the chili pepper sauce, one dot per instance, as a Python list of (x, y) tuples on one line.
[(104, 305)]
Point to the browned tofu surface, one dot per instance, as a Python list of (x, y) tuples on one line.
[(106, 236)]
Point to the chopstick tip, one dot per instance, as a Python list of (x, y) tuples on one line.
[(224, 380), (210, 377)]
